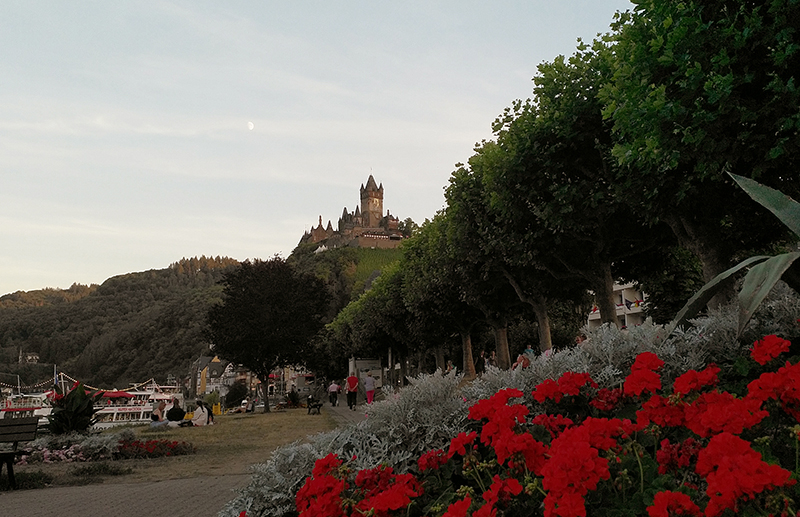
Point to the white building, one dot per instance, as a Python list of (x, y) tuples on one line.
[(629, 307)]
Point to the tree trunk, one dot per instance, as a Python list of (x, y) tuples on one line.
[(265, 390), (403, 370), (501, 345), (439, 352), (704, 243), (466, 349), (539, 305), (604, 297)]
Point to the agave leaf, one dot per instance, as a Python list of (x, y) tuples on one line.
[(785, 208), (701, 298), (759, 281)]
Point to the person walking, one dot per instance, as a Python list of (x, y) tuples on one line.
[(352, 390), (369, 387), (333, 393)]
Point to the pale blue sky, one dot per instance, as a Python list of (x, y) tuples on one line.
[(124, 140)]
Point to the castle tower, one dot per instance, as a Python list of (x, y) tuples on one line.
[(371, 203)]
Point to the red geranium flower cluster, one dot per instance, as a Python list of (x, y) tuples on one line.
[(459, 508), (669, 504), (576, 462), (662, 411), (607, 399), (568, 384), (783, 385), (768, 348), (714, 413), (500, 491), (322, 493), (502, 431), (733, 471), (432, 460), (695, 381), (554, 424), (384, 491), (672, 457), (643, 377)]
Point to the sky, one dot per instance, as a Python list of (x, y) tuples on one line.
[(136, 133)]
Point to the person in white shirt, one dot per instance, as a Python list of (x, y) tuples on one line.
[(333, 393), (200, 417)]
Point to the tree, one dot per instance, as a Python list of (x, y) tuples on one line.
[(432, 288), (555, 185), (268, 315), (701, 88)]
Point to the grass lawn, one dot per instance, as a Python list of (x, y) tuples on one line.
[(228, 447)]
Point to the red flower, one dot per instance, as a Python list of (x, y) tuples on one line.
[(554, 424), (673, 457), (547, 390), (607, 399), (734, 470), (647, 361), (459, 444), (432, 460), (459, 508), (669, 504), (390, 493), (500, 491), (640, 381), (714, 413), (569, 383), (768, 348), (694, 380), (643, 375), (326, 465)]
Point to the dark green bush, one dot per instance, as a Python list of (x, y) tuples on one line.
[(74, 411)]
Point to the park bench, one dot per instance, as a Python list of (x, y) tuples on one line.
[(313, 405), (15, 430)]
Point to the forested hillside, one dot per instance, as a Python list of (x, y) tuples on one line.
[(149, 324), (130, 328)]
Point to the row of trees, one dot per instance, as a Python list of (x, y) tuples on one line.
[(614, 169)]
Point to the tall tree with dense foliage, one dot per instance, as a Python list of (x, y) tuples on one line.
[(701, 88), (555, 185), (432, 287), (268, 315)]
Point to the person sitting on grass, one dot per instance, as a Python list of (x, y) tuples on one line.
[(157, 417), (200, 417), (175, 413)]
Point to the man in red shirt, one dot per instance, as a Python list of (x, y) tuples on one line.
[(352, 390)]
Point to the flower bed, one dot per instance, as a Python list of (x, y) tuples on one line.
[(152, 449), (77, 447), (713, 443)]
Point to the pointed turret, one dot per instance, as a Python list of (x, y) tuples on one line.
[(371, 185)]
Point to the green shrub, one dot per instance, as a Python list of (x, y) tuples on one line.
[(27, 480), (74, 411)]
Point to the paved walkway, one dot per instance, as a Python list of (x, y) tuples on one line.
[(191, 497)]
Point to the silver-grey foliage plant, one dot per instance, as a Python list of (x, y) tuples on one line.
[(433, 409)]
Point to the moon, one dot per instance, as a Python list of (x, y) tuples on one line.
[(250, 126)]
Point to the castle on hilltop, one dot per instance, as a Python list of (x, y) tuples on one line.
[(365, 227)]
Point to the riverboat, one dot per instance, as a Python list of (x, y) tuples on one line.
[(115, 407), (134, 406), (25, 405)]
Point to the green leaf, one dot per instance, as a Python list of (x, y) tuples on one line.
[(785, 208), (759, 281), (702, 297)]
